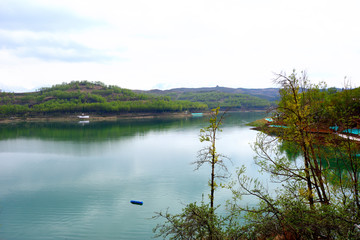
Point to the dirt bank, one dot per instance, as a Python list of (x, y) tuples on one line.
[(93, 117)]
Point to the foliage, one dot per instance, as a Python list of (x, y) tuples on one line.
[(200, 222), (194, 222), (84, 96), (217, 98), (287, 215), (299, 109), (318, 172), (257, 123), (317, 200), (80, 96), (209, 155), (224, 100)]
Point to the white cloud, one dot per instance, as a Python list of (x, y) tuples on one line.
[(143, 44)]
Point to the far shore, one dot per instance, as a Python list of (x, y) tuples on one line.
[(92, 117), (98, 117)]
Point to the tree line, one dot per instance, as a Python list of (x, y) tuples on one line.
[(84, 96), (223, 100)]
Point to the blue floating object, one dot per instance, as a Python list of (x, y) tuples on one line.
[(137, 202), (352, 131), (335, 128), (197, 114), (278, 126), (269, 119)]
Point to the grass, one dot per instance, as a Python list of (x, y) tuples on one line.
[(257, 123)]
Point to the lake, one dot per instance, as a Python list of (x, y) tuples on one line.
[(76, 180)]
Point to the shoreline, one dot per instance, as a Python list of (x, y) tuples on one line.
[(111, 117), (95, 117), (263, 126)]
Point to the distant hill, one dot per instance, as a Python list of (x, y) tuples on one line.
[(240, 98), (271, 94), (97, 98), (89, 97)]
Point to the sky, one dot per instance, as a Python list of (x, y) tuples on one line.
[(163, 44)]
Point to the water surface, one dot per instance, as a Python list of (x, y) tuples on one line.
[(75, 181)]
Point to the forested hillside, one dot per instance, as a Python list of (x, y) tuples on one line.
[(234, 98), (90, 97), (84, 96), (271, 94)]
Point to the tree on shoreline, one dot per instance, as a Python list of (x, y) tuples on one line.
[(209, 155), (200, 221), (316, 200), (319, 173)]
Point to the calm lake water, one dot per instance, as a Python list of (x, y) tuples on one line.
[(75, 181)]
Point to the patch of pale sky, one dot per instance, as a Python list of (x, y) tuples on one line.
[(143, 44)]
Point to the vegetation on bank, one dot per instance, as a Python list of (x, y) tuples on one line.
[(318, 175), (216, 98), (200, 221), (318, 171), (329, 108), (84, 96), (96, 97)]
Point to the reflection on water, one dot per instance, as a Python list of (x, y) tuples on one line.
[(75, 181)]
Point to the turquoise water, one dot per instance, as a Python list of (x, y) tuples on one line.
[(75, 181)]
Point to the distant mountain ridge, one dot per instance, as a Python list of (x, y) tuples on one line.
[(270, 94)]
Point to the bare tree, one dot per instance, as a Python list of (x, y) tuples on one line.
[(209, 155)]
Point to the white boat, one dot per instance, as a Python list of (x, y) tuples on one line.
[(84, 116)]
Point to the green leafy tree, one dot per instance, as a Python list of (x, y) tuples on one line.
[(298, 111), (316, 200)]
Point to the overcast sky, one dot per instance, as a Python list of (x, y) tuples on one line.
[(147, 44)]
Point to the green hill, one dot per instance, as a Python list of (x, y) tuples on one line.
[(234, 98), (84, 96)]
